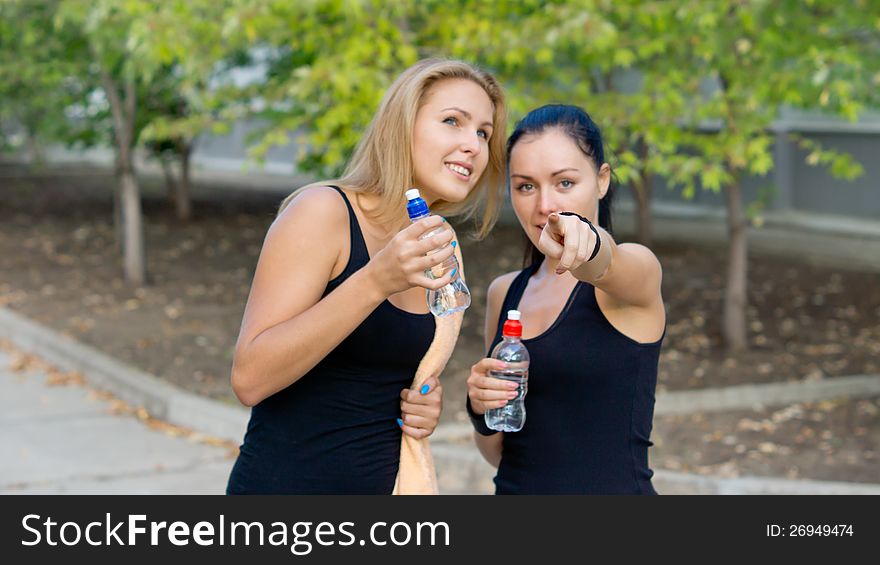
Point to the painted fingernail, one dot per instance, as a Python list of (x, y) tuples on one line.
[(424, 389), (453, 272), (443, 220), (400, 422), (560, 271), (453, 244), (512, 394)]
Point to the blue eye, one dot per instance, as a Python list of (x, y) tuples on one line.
[(525, 187), (450, 120), (483, 133), (566, 184)]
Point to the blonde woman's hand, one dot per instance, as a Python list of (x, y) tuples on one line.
[(420, 409), (485, 392), (402, 263)]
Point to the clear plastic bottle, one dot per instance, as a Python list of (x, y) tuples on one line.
[(511, 417), (455, 296)]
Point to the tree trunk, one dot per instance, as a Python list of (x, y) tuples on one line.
[(123, 111), (35, 157), (133, 220), (642, 191), (734, 320), (643, 197), (183, 199), (168, 173), (118, 223)]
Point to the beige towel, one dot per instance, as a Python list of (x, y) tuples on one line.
[(416, 474)]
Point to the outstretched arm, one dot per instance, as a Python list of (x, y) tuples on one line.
[(629, 273)]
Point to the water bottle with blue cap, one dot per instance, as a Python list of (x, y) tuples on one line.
[(455, 296)]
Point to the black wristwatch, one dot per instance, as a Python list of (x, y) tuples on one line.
[(592, 227), (478, 421)]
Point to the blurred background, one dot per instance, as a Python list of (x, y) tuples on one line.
[(145, 146)]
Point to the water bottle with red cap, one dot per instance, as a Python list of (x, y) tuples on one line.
[(512, 416)]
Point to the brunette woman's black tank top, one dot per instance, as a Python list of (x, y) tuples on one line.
[(589, 407)]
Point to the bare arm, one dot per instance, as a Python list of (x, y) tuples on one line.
[(287, 327), (490, 447), (633, 275), (629, 273)]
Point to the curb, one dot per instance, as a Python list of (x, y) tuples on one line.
[(672, 482), (162, 400), (756, 397)]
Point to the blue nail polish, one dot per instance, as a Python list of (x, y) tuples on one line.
[(424, 389), (400, 422), (453, 244), (453, 272), (443, 220)]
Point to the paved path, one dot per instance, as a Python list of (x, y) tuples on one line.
[(66, 439)]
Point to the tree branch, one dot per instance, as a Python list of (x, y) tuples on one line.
[(130, 105)]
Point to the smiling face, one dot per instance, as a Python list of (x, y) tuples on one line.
[(549, 173), (450, 140)]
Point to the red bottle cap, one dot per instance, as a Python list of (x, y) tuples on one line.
[(512, 327)]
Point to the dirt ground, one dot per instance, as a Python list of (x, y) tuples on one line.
[(60, 266), (832, 440)]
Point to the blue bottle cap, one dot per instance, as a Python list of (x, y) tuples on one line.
[(416, 206)]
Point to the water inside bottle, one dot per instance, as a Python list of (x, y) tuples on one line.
[(512, 416), (448, 299), (521, 377)]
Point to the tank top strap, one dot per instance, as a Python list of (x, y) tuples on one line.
[(587, 297), (513, 296), (358, 254)]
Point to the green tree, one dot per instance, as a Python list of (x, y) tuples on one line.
[(641, 102), (759, 56), (164, 104), (326, 65), (35, 70), (193, 45), (102, 26), (709, 79)]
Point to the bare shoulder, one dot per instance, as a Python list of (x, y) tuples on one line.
[(639, 249), (642, 253), (498, 287), (633, 283), (494, 299), (317, 204), (311, 230)]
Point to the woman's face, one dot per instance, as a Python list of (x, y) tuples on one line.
[(451, 140), (548, 173)]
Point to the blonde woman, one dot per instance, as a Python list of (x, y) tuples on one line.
[(336, 321)]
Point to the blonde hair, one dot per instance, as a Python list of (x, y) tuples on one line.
[(378, 167)]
